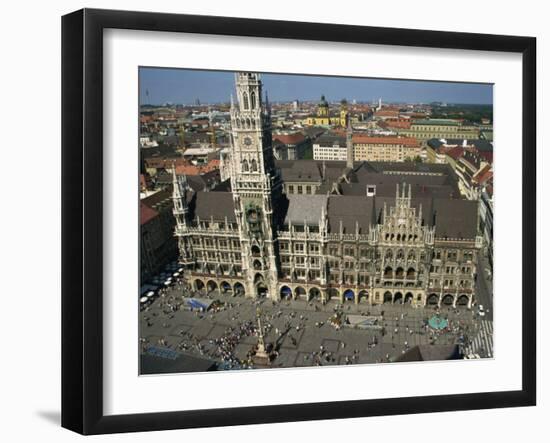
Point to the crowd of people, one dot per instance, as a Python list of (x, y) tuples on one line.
[(284, 324)]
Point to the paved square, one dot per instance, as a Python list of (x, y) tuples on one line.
[(300, 333)]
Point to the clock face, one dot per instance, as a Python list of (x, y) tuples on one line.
[(247, 141)]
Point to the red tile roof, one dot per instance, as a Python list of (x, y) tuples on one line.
[(483, 175), (403, 123), (455, 153), (367, 140), (189, 169), (386, 113), (146, 214), (290, 139)]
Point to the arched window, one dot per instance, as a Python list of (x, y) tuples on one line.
[(253, 100), (389, 254), (245, 166), (253, 166), (399, 254), (245, 101)]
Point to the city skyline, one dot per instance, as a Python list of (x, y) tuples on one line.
[(185, 86)]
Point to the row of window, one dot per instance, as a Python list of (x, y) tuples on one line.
[(451, 283), (451, 269), (453, 255), (301, 189), (219, 244), (212, 256)]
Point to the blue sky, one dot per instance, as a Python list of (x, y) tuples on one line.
[(185, 86)]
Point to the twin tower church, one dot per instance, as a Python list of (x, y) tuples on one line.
[(358, 232)]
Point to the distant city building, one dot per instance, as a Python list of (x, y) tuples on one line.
[(158, 246), (330, 147), (387, 149), (325, 117), (424, 130)]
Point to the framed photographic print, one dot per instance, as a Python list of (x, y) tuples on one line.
[(273, 221)]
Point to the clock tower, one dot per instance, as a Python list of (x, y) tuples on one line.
[(256, 185)]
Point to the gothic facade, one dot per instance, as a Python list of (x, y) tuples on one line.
[(368, 233)]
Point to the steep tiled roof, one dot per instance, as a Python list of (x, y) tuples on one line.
[(146, 213)]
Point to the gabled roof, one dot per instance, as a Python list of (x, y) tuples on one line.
[(306, 208), (349, 210), (216, 205), (455, 218)]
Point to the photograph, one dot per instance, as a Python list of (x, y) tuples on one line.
[(291, 220)]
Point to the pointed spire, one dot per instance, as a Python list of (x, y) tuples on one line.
[(176, 189), (349, 144)]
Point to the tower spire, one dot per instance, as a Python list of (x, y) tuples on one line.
[(349, 144)]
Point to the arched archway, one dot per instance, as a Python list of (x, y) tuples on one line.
[(314, 293), (398, 298), (433, 299), (363, 295), (388, 272), (211, 285), (238, 289), (199, 285), (448, 300), (300, 292), (463, 300), (388, 297), (349, 295), (255, 250), (261, 288), (257, 265), (225, 287), (333, 293), (399, 273), (411, 274), (285, 292), (409, 298)]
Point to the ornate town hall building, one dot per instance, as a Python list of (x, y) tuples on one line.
[(347, 231)]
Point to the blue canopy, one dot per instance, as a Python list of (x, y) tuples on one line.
[(196, 304)]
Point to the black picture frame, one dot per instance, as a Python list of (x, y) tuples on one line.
[(82, 215)]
